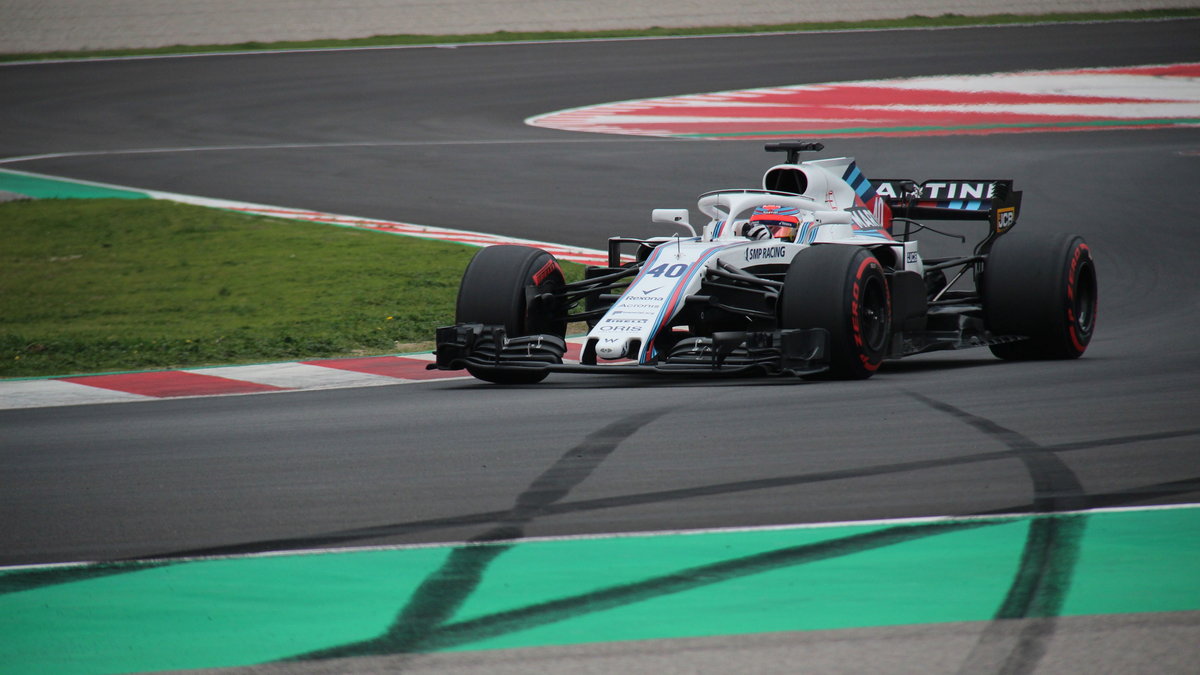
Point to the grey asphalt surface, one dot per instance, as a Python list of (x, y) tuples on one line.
[(1135, 643), (435, 137)]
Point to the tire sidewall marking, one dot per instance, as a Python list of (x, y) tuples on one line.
[(855, 304), (1077, 258)]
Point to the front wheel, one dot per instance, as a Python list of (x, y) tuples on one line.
[(843, 290), (504, 285), (1043, 287)]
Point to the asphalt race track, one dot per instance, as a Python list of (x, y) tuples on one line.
[(435, 136)]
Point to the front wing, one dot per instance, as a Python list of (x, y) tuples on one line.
[(480, 347)]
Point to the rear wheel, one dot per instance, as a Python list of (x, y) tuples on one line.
[(1041, 286), (502, 285), (843, 290)]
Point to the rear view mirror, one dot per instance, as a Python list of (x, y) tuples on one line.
[(676, 217)]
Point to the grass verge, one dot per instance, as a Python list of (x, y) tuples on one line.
[(100, 285), (916, 21)]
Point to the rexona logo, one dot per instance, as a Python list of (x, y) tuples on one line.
[(767, 253)]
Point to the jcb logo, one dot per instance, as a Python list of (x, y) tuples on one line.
[(1005, 219)]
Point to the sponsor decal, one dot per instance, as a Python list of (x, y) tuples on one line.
[(879, 209), (1079, 333), (639, 305), (546, 271), (863, 218), (887, 190), (618, 328), (766, 253), (1005, 219), (948, 191), (967, 195), (775, 212)]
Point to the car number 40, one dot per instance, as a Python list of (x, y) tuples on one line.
[(668, 271)]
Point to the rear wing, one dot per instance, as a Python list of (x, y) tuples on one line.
[(987, 199)]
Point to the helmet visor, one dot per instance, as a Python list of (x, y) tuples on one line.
[(780, 229)]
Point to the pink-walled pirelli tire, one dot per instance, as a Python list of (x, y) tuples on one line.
[(500, 287), (843, 290), (1041, 286)]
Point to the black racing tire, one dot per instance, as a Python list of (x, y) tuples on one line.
[(1041, 286), (843, 290), (500, 287)]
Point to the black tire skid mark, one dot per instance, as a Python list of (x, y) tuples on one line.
[(31, 579), (1048, 558), (1021, 630), (488, 517), (420, 628), (532, 616), (448, 587), (1039, 587)]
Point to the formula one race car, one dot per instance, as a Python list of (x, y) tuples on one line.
[(817, 273)]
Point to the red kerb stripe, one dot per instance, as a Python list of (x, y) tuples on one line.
[(388, 366), (168, 383)]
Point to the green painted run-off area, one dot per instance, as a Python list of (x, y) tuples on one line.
[(44, 187), (139, 616)]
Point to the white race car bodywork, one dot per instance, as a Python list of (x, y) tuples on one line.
[(830, 212), (813, 273)]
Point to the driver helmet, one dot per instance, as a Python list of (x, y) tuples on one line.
[(782, 221)]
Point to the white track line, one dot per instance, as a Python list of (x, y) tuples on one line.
[(881, 522)]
